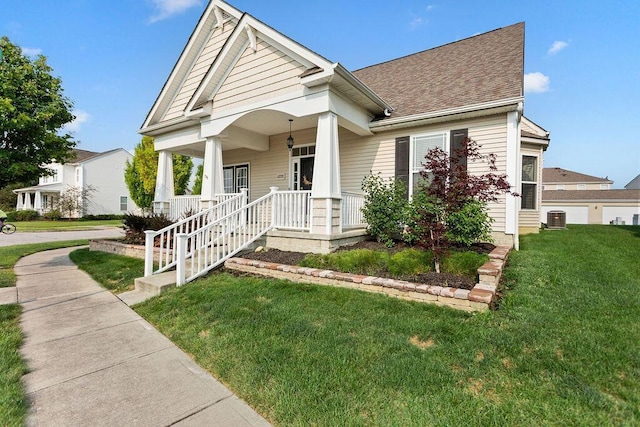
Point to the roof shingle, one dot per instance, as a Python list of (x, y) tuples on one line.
[(475, 70), (559, 175)]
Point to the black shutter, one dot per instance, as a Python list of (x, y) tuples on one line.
[(402, 161), (457, 145)]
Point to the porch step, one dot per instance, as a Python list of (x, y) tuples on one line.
[(156, 284), (134, 297)]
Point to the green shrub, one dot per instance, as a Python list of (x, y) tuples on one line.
[(358, 261), (464, 263), (385, 204), (11, 216), (29, 215), (102, 217), (470, 224), (52, 215), (136, 225), (409, 262)]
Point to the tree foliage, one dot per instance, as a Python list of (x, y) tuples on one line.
[(33, 111), (454, 206), (74, 201), (140, 174), (197, 183)]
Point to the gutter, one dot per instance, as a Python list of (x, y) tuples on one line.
[(355, 82), (467, 111)]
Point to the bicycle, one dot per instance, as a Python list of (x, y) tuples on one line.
[(8, 228)]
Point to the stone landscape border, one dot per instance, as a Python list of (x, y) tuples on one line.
[(477, 299)]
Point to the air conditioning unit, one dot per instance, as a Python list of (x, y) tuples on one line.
[(556, 220)]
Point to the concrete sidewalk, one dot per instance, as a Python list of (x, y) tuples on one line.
[(94, 361)]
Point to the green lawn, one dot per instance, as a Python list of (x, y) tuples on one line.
[(114, 272), (561, 350), (63, 225)]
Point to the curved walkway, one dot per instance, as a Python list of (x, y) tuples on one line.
[(21, 238), (94, 361)]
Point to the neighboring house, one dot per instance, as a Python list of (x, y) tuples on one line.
[(240, 85), (594, 206), (563, 179), (587, 199), (634, 184), (101, 172)]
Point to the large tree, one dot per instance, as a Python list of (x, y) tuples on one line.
[(33, 111), (140, 173)]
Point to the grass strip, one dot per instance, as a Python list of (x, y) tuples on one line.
[(13, 402), (114, 272), (63, 225)]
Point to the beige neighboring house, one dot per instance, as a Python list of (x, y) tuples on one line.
[(588, 199), (103, 172), (563, 179), (281, 125)]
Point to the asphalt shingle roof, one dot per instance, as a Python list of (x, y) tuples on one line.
[(478, 69), (555, 175)]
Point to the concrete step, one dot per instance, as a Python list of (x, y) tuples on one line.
[(157, 283), (134, 297)]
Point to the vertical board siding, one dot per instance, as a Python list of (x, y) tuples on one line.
[(198, 71), (258, 75)]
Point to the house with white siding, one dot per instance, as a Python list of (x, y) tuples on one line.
[(102, 173), (295, 134)]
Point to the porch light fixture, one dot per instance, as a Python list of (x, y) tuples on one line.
[(290, 139)]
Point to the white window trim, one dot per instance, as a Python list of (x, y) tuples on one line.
[(560, 187), (536, 182), (292, 159), (413, 170)]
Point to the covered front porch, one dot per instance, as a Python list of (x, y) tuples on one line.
[(41, 199)]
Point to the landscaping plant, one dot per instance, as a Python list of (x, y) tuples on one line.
[(385, 203), (453, 208)]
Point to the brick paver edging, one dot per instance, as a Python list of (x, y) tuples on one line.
[(477, 299)]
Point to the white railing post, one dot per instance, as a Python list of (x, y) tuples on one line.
[(273, 205), (181, 261), (149, 237)]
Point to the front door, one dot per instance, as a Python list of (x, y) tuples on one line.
[(302, 160), (306, 173)]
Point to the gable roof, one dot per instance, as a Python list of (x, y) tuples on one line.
[(564, 176), (475, 70), (634, 184), (79, 156)]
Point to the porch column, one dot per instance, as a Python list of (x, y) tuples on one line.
[(27, 201), (326, 192), (164, 183), (20, 201), (37, 204), (212, 177)]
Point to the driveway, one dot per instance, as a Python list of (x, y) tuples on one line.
[(22, 238)]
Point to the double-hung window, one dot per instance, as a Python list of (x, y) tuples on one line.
[(529, 191), (420, 145)]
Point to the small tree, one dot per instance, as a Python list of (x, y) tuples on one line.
[(197, 183), (140, 174), (455, 202), (384, 207), (75, 201)]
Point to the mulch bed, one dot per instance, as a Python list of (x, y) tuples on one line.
[(431, 278)]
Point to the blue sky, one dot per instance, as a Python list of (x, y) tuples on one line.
[(582, 59)]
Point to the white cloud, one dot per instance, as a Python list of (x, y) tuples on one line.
[(30, 51), (557, 46), (76, 124), (167, 8), (536, 82), (416, 22)]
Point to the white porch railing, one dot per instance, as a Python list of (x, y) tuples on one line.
[(159, 245), (352, 204), (292, 210), (206, 248), (180, 205)]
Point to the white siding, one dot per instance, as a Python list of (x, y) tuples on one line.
[(610, 213), (106, 175), (575, 214), (265, 73)]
